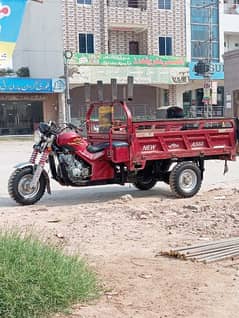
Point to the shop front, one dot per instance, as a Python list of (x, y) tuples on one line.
[(25, 102), (157, 81), (204, 96), (20, 117)]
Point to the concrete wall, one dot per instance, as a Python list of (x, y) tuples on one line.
[(50, 108), (231, 41), (40, 43), (230, 23), (231, 69), (99, 19)]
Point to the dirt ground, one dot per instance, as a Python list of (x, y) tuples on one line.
[(121, 237), (120, 231)]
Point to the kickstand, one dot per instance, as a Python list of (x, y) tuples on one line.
[(225, 168)]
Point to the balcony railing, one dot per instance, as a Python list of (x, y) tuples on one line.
[(136, 4)]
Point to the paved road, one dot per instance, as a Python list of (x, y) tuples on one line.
[(13, 152)]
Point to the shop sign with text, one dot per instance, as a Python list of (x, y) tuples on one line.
[(216, 72), (142, 75), (31, 85), (128, 60)]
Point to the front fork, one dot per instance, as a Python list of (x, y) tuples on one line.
[(39, 166)]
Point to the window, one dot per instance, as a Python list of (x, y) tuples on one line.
[(201, 24), (83, 1), (86, 43), (134, 47), (164, 4), (165, 45), (201, 2), (133, 3)]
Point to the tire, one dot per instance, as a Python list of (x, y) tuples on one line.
[(166, 177), (185, 179), (18, 187), (145, 185)]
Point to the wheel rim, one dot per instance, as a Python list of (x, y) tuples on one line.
[(188, 180), (24, 188)]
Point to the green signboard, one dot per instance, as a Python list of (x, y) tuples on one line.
[(142, 75), (128, 60)]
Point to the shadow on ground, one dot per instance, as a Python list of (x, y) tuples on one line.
[(72, 196)]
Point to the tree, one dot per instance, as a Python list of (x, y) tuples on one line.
[(23, 72)]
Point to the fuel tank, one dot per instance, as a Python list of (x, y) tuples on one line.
[(73, 140)]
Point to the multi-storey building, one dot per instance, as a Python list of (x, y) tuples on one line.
[(230, 26), (212, 30), (24, 102), (145, 39), (204, 43), (150, 40)]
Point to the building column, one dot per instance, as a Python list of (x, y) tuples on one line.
[(157, 97), (172, 95), (180, 89)]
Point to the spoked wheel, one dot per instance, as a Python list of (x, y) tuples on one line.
[(19, 187), (185, 179), (145, 184)]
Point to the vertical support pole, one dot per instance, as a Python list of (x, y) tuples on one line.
[(61, 108), (114, 89), (157, 97), (100, 91), (67, 56), (210, 59), (87, 95), (124, 93), (67, 92), (130, 87)]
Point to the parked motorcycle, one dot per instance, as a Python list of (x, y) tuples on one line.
[(74, 160)]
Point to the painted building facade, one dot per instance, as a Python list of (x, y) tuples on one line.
[(24, 102), (127, 29)]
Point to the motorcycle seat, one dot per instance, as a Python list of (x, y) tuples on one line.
[(103, 145)]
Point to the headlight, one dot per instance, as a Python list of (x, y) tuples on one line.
[(37, 136)]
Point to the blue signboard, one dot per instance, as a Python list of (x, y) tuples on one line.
[(216, 70), (58, 85), (31, 85)]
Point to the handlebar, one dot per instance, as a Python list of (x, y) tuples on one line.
[(52, 128), (73, 127)]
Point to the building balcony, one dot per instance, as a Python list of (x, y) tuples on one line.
[(230, 23), (122, 17), (230, 7), (136, 4), (128, 40), (231, 41)]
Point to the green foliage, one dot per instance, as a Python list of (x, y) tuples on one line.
[(23, 72), (37, 279), (6, 72)]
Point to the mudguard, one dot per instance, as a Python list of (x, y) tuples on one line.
[(45, 174)]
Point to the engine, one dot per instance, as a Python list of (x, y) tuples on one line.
[(77, 169)]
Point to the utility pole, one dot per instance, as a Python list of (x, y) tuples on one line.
[(67, 56), (210, 47)]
